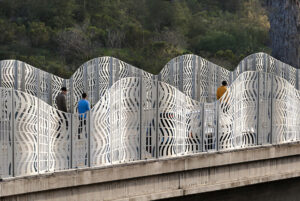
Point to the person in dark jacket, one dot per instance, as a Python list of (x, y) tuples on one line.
[(61, 100), (62, 106)]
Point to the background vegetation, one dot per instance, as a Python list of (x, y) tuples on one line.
[(59, 35)]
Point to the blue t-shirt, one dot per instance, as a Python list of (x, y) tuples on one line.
[(83, 106)]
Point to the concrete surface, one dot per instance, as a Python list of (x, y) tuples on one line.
[(162, 178)]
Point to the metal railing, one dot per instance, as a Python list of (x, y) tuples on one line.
[(191, 74), (141, 118)]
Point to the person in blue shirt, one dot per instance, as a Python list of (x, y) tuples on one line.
[(83, 107)]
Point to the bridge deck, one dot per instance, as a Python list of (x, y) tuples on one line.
[(162, 178)]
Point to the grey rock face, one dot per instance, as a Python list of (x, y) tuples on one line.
[(284, 16)]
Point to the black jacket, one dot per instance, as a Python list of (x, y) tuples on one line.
[(61, 102)]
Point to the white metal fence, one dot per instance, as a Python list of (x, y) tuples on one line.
[(191, 74), (142, 118)]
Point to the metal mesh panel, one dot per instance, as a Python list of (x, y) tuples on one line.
[(149, 115), (238, 113), (26, 134), (56, 85), (78, 86), (30, 80), (265, 108), (125, 116), (166, 120), (104, 77), (193, 126), (8, 73), (210, 130), (202, 77), (59, 140), (44, 86), (6, 138), (80, 140), (187, 77), (139, 117), (43, 136), (100, 135), (164, 73), (285, 124)]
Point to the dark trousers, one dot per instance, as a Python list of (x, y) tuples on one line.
[(62, 118), (82, 125)]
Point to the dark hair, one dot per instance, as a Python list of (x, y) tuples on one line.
[(64, 89), (84, 95), (224, 83)]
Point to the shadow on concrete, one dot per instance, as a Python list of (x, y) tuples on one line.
[(284, 190)]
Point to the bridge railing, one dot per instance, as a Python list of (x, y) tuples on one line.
[(191, 74), (142, 118)]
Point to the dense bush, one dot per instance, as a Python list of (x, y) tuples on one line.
[(58, 36)]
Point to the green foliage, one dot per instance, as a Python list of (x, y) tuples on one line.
[(38, 34), (59, 35)]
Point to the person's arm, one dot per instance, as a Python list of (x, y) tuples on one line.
[(88, 106), (218, 95)]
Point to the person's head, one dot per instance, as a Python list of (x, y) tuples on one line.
[(224, 83), (84, 95), (64, 90)]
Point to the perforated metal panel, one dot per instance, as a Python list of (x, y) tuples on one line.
[(137, 115)]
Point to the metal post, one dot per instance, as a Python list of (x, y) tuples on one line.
[(245, 63), (85, 80), (277, 68), (234, 108), (89, 138), (23, 77), (203, 129), (71, 141), (194, 74), (48, 123), (218, 119), (50, 89), (157, 117), (240, 68), (265, 63), (38, 135), (181, 74), (111, 71), (13, 127), (38, 116), (257, 112), (297, 79), (110, 120), (141, 114), (272, 92), (97, 78), (120, 112), (287, 71), (117, 66), (16, 75), (38, 93), (171, 73), (254, 62), (71, 95)]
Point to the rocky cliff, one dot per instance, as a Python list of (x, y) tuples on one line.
[(284, 16)]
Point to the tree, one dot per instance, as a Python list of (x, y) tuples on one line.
[(38, 33)]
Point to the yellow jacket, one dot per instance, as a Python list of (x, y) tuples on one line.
[(220, 92)]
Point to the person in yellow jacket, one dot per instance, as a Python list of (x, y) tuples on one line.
[(220, 92)]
